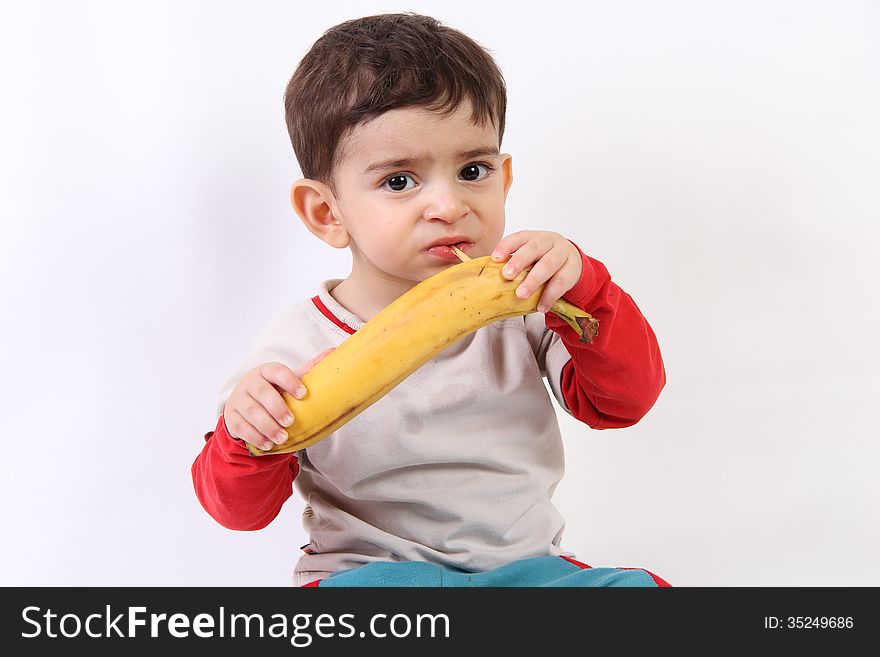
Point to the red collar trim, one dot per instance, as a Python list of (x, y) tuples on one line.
[(329, 315)]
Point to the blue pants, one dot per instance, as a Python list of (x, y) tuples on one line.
[(536, 571)]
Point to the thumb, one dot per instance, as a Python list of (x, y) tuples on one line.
[(309, 364)]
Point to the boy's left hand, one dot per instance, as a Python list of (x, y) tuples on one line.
[(551, 258)]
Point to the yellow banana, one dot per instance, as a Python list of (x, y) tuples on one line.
[(402, 337)]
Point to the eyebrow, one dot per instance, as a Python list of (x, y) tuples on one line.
[(396, 162)]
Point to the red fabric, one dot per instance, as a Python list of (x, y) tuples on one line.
[(657, 579), (662, 583), (236, 489), (580, 564), (614, 380), (329, 315), (313, 584)]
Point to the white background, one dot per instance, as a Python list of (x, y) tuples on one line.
[(722, 159)]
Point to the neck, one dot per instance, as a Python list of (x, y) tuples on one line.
[(367, 290)]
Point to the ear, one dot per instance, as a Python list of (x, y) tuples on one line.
[(314, 203), (506, 172)]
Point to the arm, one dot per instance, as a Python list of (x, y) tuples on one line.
[(613, 381), (236, 489)]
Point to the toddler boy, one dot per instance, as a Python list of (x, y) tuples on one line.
[(397, 122)]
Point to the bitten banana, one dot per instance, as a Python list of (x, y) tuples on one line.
[(410, 331)]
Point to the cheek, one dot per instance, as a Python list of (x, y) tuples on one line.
[(380, 234), (496, 227)]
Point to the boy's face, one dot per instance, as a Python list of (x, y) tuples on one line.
[(394, 213)]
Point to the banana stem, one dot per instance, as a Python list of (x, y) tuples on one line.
[(464, 257), (583, 323)]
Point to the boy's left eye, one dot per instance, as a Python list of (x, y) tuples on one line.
[(471, 167)]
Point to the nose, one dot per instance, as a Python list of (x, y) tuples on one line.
[(445, 201)]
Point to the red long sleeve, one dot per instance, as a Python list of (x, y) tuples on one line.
[(614, 380), (236, 489)]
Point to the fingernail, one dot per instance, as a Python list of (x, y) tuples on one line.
[(300, 392), (542, 308), (507, 270), (280, 437), (522, 292), (496, 255), (288, 420)]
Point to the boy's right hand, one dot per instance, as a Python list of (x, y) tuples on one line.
[(256, 412)]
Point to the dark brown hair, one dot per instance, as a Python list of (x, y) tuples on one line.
[(364, 67)]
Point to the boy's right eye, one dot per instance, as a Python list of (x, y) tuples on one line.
[(395, 182)]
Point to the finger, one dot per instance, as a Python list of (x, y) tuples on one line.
[(510, 244), (526, 256), (303, 369), (565, 277), (282, 376), (309, 364), (240, 428), (541, 272), (553, 291), (268, 412)]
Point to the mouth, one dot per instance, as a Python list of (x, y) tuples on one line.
[(445, 252)]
